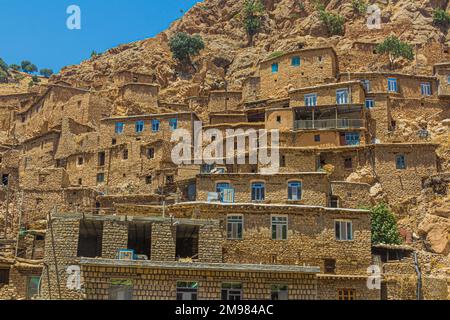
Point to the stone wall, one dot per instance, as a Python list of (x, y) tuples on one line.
[(161, 283)]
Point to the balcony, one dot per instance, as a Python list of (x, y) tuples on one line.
[(328, 124)]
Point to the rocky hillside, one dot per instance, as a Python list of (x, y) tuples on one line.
[(288, 25)]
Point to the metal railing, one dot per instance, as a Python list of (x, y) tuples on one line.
[(329, 124)]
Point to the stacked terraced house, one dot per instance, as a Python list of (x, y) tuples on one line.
[(95, 207)]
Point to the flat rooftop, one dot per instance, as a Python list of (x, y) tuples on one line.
[(199, 266)]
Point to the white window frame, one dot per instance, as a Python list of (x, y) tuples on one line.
[(310, 99), (279, 227), (391, 86), (341, 94), (233, 221), (343, 226), (425, 89)]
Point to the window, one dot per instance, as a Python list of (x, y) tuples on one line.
[(119, 127), (344, 230), (100, 178), (295, 191), (342, 96), (400, 161), (90, 239), (352, 138), (170, 180), (101, 159), (448, 79), (296, 61), (187, 241), (346, 294), (33, 286), (4, 276), (279, 292), (5, 179), (80, 161), (258, 189), (279, 228), (279, 119), (348, 163), (392, 85), (317, 138), (125, 154), (370, 103), (311, 100), (148, 180), (220, 187), (274, 67), (139, 239), (114, 141), (121, 289), (425, 89), (330, 266), (173, 124), (235, 226), (151, 153), (366, 85), (139, 126), (334, 202), (155, 125), (232, 291), (187, 291), (283, 161)]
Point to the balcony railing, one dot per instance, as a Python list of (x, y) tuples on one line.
[(328, 124)]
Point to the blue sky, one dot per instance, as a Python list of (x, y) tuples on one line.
[(36, 30)]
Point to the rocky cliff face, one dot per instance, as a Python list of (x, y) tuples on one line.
[(288, 25)]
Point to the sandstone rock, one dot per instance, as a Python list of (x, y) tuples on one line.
[(436, 230)]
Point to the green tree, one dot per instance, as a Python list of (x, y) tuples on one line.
[(3, 75), (94, 53), (184, 46), (441, 18), (384, 226), (333, 22), (252, 18), (14, 67), (3, 71), (46, 72), (28, 67), (360, 6), (3, 65), (395, 49)]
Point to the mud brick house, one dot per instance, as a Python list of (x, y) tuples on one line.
[(297, 69), (93, 190)]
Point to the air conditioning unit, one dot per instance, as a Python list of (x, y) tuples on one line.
[(126, 255), (220, 170)]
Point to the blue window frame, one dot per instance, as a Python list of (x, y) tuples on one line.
[(311, 100), (296, 61), (448, 79), (173, 124), (400, 161), (119, 127), (392, 85), (258, 191), (221, 186), (370, 103), (139, 126), (342, 96), (425, 88), (155, 125), (294, 191), (274, 67), (352, 138), (317, 138)]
